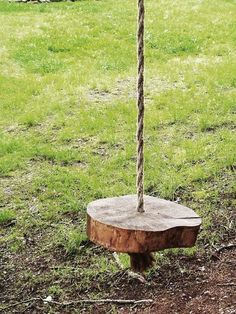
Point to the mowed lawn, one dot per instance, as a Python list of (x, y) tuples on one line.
[(67, 131)]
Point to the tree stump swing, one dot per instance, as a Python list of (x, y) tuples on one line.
[(140, 224)]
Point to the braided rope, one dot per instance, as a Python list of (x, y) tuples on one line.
[(140, 104)]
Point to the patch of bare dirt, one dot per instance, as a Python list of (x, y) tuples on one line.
[(210, 288), (126, 89), (200, 284)]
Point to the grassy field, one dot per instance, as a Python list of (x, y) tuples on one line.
[(67, 131)]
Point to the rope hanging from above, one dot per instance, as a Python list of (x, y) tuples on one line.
[(140, 104), (111, 222)]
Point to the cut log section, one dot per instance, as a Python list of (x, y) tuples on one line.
[(115, 224)]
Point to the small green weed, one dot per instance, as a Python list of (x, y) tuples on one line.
[(70, 239), (6, 216)]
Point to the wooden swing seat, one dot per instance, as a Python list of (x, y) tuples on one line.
[(115, 224)]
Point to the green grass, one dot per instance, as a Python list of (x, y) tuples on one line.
[(68, 117), (6, 216), (70, 239)]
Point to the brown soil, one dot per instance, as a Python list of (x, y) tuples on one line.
[(202, 284), (209, 289)]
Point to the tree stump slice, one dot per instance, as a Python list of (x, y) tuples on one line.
[(115, 224)]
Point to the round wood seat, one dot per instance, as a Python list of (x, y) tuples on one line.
[(116, 224)]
